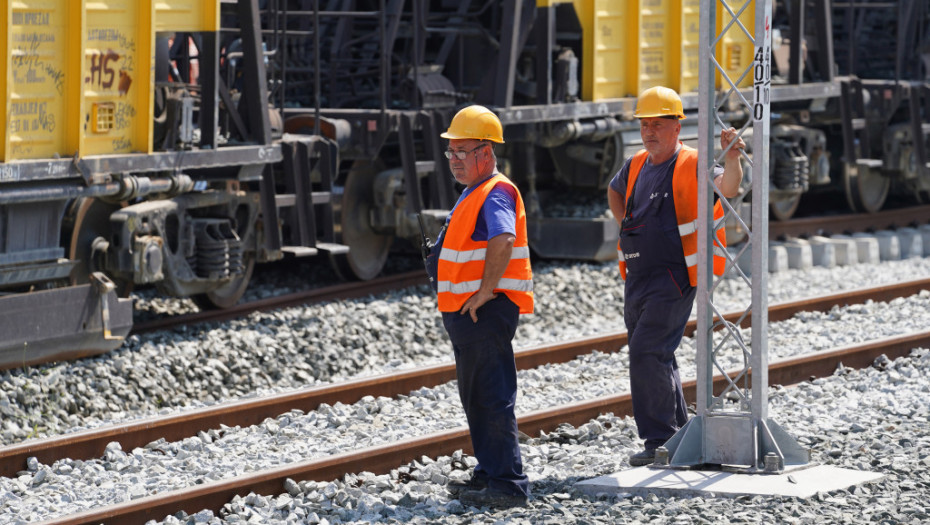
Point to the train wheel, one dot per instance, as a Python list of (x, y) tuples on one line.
[(784, 209), (86, 230), (229, 294), (866, 188), (368, 249)]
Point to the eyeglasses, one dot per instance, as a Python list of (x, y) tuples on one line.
[(461, 155)]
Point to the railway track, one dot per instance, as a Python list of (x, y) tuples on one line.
[(383, 458), (850, 223), (805, 227), (329, 293)]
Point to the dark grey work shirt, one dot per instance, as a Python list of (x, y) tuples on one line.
[(650, 178)]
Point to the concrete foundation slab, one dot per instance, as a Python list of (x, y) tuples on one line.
[(800, 483)]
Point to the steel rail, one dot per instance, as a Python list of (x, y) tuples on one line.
[(850, 223), (889, 219), (328, 293), (92, 443), (382, 458)]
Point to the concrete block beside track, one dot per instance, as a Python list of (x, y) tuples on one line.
[(846, 250), (911, 242), (733, 260), (889, 247), (826, 252), (867, 250), (800, 256), (924, 230), (778, 258), (839, 250)]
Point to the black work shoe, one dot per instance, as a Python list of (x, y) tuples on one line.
[(472, 483), (488, 497), (646, 457)]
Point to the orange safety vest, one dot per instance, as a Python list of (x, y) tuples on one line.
[(461, 260), (684, 196)]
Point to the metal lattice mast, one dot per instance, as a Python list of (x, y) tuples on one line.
[(733, 428)]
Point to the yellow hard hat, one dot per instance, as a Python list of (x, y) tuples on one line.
[(659, 101), (475, 122)]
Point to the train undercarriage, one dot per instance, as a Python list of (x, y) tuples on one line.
[(302, 128)]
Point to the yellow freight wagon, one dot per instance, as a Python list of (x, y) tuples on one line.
[(735, 50), (685, 63), (632, 45), (78, 75), (314, 132)]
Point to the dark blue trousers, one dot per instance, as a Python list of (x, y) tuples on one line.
[(656, 309), (487, 380)]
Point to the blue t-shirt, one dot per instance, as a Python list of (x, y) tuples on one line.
[(498, 214)]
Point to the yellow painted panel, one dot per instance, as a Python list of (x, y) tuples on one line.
[(689, 38), (37, 76), (605, 48), (583, 10), (655, 46), (735, 50), (5, 77), (117, 77), (611, 49), (187, 15), (629, 46)]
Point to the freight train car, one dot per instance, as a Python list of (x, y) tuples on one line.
[(177, 144)]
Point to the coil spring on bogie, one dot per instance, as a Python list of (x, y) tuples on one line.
[(218, 253), (791, 168)]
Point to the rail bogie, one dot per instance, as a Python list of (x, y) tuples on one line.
[(178, 144)]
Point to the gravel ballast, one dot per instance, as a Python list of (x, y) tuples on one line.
[(872, 420), (322, 343), (316, 344)]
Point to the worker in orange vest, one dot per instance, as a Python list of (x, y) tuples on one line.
[(480, 265), (654, 201)]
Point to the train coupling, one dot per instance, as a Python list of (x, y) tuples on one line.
[(104, 286)]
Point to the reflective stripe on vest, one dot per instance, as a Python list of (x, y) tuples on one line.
[(470, 287), (684, 197), (465, 256), (461, 259)]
